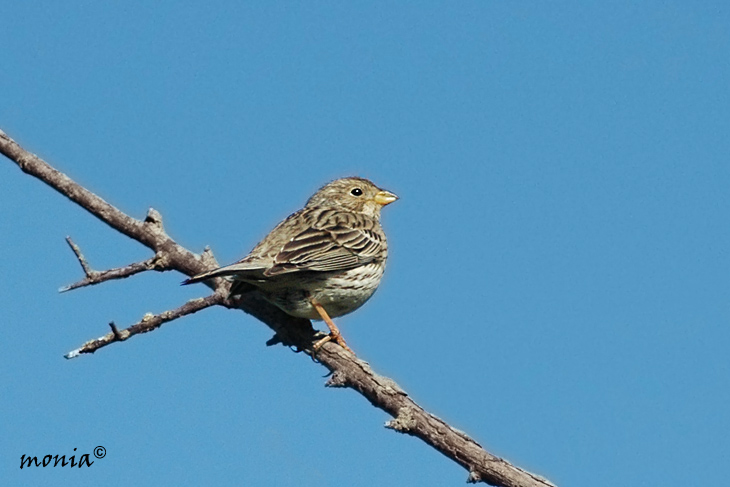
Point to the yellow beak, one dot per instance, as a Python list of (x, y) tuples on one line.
[(385, 197)]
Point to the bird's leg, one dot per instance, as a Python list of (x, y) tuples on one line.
[(334, 331)]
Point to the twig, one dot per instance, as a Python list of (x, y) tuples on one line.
[(148, 323), (82, 260), (347, 370), (95, 277), (115, 331)]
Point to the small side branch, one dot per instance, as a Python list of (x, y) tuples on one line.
[(156, 263), (82, 260), (148, 323)]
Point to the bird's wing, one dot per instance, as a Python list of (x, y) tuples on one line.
[(335, 247)]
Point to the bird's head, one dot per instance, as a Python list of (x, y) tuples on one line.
[(354, 194)]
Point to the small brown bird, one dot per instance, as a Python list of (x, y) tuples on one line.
[(323, 261)]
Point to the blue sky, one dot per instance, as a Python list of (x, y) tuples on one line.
[(558, 283)]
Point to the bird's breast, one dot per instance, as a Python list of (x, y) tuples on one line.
[(339, 293)]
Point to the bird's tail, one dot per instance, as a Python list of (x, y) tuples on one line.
[(228, 270)]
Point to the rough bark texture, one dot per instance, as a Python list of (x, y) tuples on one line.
[(347, 370)]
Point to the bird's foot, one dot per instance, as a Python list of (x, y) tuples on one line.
[(332, 336), (334, 331)]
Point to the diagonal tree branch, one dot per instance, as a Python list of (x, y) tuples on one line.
[(347, 370)]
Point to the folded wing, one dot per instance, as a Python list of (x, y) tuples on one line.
[(331, 248)]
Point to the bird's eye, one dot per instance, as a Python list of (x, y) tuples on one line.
[(356, 192)]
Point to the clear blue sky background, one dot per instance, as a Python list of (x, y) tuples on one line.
[(559, 278)]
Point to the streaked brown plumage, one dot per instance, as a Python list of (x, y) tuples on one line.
[(323, 261)]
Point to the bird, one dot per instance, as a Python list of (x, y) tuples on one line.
[(321, 262)]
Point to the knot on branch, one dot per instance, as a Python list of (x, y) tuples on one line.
[(160, 262), (404, 422), (154, 219), (337, 379), (474, 477), (208, 258)]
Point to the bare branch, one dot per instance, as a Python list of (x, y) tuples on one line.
[(347, 370), (148, 323), (149, 232), (79, 256), (95, 277)]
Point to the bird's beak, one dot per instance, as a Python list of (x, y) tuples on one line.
[(385, 197)]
